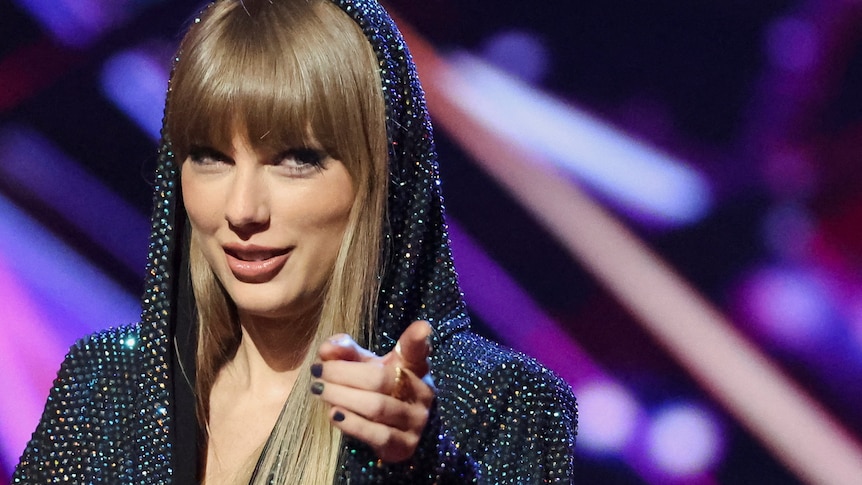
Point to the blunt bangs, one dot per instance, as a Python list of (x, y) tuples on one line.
[(304, 85)]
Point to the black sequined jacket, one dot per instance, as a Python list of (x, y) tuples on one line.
[(122, 407)]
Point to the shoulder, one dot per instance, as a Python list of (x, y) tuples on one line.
[(117, 340), (101, 352), (99, 367), (85, 424), (472, 362), (509, 411)]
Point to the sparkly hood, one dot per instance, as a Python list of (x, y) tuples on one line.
[(419, 281)]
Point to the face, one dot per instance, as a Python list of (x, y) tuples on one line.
[(268, 224)]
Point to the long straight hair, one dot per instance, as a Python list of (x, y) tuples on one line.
[(288, 73)]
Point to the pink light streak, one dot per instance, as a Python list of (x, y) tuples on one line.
[(29, 356)]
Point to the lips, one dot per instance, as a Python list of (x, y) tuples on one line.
[(255, 264)]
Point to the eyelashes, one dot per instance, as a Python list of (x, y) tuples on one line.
[(295, 161), (203, 154), (302, 156)]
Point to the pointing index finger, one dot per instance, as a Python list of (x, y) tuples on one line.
[(413, 348)]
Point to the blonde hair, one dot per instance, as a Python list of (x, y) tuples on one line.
[(289, 73)]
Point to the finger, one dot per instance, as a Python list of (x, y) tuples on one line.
[(374, 406), (390, 444), (374, 376), (342, 347), (413, 348)]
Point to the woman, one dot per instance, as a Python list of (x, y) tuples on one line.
[(298, 221)]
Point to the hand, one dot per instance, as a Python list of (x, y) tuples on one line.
[(370, 400)]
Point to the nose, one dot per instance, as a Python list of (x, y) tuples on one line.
[(247, 205)]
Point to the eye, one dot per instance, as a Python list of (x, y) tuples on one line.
[(300, 160), (302, 156), (202, 155)]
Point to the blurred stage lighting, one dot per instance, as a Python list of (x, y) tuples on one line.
[(787, 305), (136, 82), (792, 44), (521, 54), (684, 440), (71, 192), (610, 418), (642, 181), (78, 23), (51, 297)]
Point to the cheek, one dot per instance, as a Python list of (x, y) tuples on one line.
[(335, 213), (323, 206), (200, 205), (325, 224), (325, 219)]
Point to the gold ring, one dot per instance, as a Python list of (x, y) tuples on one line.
[(400, 389)]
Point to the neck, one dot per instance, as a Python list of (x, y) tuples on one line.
[(250, 391), (270, 352)]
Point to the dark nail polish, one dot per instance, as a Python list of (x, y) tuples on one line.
[(338, 416), (317, 388), (317, 370)]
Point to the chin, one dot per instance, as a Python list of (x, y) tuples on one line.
[(265, 303)]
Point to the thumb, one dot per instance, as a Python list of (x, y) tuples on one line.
[(342, 347)]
